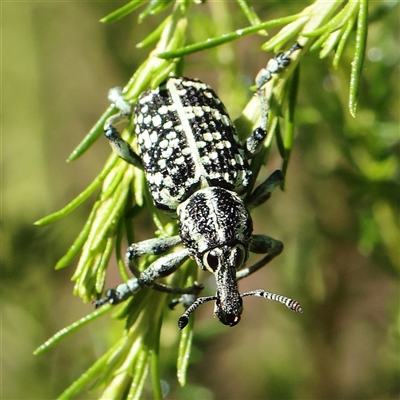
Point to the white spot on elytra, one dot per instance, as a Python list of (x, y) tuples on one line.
[(145, 158), (147, 119), (198, 111), (157, 121), (168, 125), (163, 110), (162, 164), (146, 99), (167, 181), (174, 143), (167, 152), (216, 114), (225, 120), (158, 178), (171, 135), (145, 139), (189, 112), (154, 137), (178, 128), (208, 137), (216, 135), (205, 160), (139, 119), (163, 144)]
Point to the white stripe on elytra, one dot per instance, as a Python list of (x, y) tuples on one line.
[(200, 172)]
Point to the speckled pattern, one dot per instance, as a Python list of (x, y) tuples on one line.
[(187, 141), (198, 170), (214, 217)]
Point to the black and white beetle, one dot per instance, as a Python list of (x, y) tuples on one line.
[(197, 169)]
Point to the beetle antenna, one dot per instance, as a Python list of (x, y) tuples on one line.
[(184, 319), (289, 303)]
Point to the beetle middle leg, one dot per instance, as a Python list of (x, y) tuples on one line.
[(160, 268)]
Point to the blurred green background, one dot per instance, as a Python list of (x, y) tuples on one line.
[(338, 216)]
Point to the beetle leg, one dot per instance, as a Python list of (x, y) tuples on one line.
[(162, 267), (261, 244), (263, 192), (119, 145), (274, 66)]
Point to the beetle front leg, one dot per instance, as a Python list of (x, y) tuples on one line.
[(261, 244), (155, 246), (162, 267)]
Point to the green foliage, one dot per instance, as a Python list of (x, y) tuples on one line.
[(331, 28)]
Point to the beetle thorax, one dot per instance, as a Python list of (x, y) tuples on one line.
[(211, 218)]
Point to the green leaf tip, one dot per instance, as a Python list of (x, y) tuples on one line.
[(359, 55)]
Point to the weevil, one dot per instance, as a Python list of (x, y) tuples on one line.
[(198, 171)]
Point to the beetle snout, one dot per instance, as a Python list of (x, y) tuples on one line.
[(229, 319), (229, 313)]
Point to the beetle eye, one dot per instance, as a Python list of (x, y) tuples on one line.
[(211, 259), (240, 256)]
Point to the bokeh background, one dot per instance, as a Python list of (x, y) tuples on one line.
[(338, 216)]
